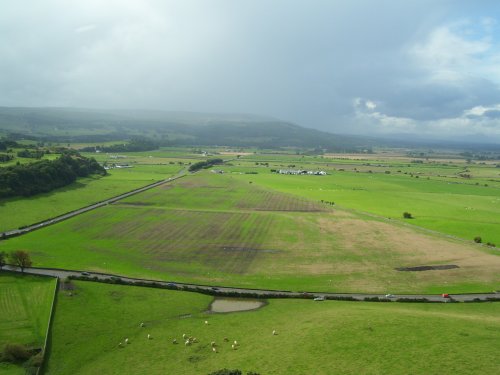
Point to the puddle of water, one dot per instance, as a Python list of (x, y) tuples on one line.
[(225, 305)]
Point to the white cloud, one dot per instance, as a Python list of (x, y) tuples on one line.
[(85, 28)]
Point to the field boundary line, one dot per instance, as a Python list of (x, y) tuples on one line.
[(41, 369)]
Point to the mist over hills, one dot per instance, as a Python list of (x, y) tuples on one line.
[(189, 128)]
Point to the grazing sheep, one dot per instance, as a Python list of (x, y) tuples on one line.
[(194, 339), (142, 325), (226, 339), (213, 344), (187, 343), (235, 342), (149, 336), (174, 341), (120, 345), (275, 333), (126, 341), (184, 336), (233, 347), (206, 321), (214, 350)]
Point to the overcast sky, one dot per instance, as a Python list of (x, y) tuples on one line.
[(422, 67)]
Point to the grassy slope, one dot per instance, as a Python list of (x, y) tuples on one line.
[(25, 303), (324, 338), (214, 229)]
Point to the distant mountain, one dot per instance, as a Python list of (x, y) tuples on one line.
[(169, 128)]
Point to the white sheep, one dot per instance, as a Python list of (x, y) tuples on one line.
[(149, 336), (184, 336), (275, 333), (126, 341), (174, 341), (214, 350), (120, 345), (206, 321), (213, 344), (235, 343), (233, 347), (187, 343), (194, 339), (142, 324)]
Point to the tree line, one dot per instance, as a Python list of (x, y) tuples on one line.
[(135, 144), (46, 175), (205, 164)]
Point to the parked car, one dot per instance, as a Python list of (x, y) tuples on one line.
[(389, 295), (85, 273), (320, 298), (445, 295)]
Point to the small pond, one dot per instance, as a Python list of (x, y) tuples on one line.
[(225, 305)]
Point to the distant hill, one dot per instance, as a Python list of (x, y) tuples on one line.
[(168, 128)]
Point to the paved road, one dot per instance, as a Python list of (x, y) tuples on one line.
[(18, 232), (251, 292)]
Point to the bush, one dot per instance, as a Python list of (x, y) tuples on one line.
[(407, 215), (225, 371), (490, 244), (478, 239), (15, 353)]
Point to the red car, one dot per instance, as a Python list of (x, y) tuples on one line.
[(445, 295)]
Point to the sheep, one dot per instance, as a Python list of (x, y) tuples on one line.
[(149, 336), (187, 343), (226, 339), (233, 347), (142, 325), (214, 350), (184, 336), (174, 341), (206, 321), (126, 341), (194, 339), (120, 345), (213, 344), (275, 333), (235, 342)]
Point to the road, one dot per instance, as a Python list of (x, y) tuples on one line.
[(30, 228), (62, 274)]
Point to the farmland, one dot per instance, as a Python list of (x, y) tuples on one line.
[(220, 229), (321, 338), (25, 303)]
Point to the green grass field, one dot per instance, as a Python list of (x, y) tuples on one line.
[(313, 337), (21, 211), (217, 229), (25, 303), (438, 200)]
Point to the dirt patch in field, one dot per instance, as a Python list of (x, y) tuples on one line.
[(386, 245), (428, 268)]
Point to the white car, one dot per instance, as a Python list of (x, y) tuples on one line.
[(389, 296), (320, 298)]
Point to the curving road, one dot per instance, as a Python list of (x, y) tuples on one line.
[(61, 274)]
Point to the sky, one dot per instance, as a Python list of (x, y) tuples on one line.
[(417, 68)]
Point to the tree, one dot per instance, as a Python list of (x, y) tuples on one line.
[(3, 259), (478, 239), (407, 215), (21, 259)]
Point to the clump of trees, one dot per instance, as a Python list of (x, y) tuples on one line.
[(478, 239), (46, 175), (205, 164), (5, 158), (32, 154), (407, 215), (135, 144)]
